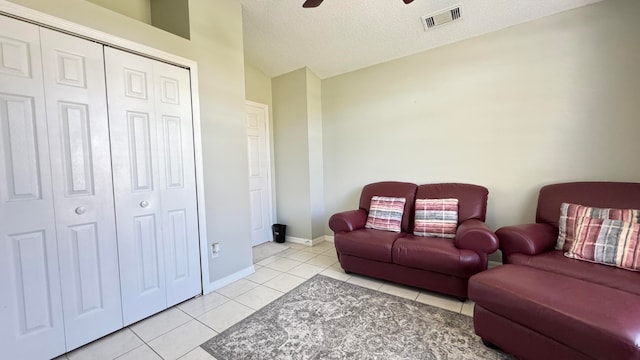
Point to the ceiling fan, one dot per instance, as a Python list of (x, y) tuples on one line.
[(315, 3)]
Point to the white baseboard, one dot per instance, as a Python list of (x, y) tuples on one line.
[(228, 280), (297, 240), (329, 238), (319, 239), (307, 242)]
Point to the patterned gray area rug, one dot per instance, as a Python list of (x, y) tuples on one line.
[(325, 318)]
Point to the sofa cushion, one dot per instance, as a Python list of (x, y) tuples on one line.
[(593, 319), (620, 195), (472, 199), (555, 261), (391, 189), (436, 218), (436, 254), (572, 214), (609, 242), (385, 213), (367, 243)]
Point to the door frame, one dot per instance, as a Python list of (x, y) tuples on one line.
[(272, 195), (55, 23)]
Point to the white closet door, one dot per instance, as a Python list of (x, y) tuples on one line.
[(154, 177), (31, 325), (135, 161), (83, 192), (177, 182)]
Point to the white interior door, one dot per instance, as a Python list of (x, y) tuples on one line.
[(31, 325), (177, 182), (82, 187), (259, 172), (154, 181), (134, 153)]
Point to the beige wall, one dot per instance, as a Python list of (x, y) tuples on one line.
[(136, 9), (316, 160), (548, 101), (172, 16), (216, 44), (297, 138), (216, 32), (290, 143), (257, 85)]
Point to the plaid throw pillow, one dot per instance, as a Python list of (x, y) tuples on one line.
[(436, 218), (609, 242), (572, 214), (385, 213)]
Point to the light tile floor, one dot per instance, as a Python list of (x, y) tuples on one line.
[(177, 333)]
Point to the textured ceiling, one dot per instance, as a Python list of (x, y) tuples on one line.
[(345, 35)]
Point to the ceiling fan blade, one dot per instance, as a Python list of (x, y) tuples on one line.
[(407, 1), (311, 3)]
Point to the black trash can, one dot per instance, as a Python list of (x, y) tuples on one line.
[(279, 231)]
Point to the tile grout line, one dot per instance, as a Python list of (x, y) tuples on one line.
[(143, 342), (169, 330), (209, 327)]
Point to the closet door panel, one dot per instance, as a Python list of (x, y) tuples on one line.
[(83, 191), (177, 183), (135, 162), (30, 300)]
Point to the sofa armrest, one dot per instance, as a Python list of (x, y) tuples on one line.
[(348, 221), (529, 239), (475, 235)]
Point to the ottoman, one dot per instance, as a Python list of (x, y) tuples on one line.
[(537, 314)]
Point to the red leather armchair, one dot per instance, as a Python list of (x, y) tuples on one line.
[(438, 264), (543, 305)]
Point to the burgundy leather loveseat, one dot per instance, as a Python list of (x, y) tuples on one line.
[(438, 264), (543, 305)]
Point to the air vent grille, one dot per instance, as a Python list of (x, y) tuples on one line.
[(442, 17)]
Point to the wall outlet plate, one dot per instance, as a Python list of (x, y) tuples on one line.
[(215, 249)]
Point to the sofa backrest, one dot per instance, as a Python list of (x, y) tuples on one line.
[(391, 189), (620, 195), (472, 199)]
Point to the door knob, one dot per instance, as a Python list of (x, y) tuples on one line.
[(144, 203), (80, 210)]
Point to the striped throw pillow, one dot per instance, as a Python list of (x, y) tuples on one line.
[(385, 213), (572, 214), (609, 242), (436, 218)]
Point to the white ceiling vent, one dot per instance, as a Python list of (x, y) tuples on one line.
[(442, 17)]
